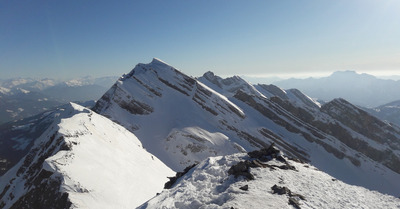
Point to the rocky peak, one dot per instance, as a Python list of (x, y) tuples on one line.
[(272, 90), (228, 86), (156, 66), (211, 77)]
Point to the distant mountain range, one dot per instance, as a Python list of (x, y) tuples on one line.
[(360, 89), (24, 97), (255, 146)]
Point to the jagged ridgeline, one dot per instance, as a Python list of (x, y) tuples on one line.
[(156, 119)]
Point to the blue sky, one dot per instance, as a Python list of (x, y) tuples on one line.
[(66, 39)]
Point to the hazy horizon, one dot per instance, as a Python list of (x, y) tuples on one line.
[(249, 77)]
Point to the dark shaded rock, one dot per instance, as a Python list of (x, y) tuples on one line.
[(294, 203), (257, 163), (287, 167), (293, 197), (245, 187), (173, 86), (242, 169), (265, 154), (173, 179), (280, 159), (280, 190)]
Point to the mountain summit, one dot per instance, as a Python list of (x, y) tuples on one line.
[(183, 120)]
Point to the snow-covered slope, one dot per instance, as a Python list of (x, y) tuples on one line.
[(241, 181), (174, 116), (346, 132), (83, 160)]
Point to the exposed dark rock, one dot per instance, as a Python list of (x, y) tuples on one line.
[(135, 107), (241, 169), (280, 190), (294, 202), (173, 86), (287, 167), (202, 104), (245, 187), (292, 196), (265, 154), (173, 179), (155, 92)]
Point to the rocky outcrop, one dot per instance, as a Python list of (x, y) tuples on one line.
[(178, 175), (258, 158)]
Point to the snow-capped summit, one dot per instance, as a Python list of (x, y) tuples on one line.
[(156, 65), (228, 86), (173, 114), (159, 62), (83, 160)]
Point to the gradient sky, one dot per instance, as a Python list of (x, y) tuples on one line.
[(66, 39)]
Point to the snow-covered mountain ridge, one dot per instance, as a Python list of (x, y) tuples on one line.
[(83, 160), (174, 116), (77, 158), (152, 101)]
